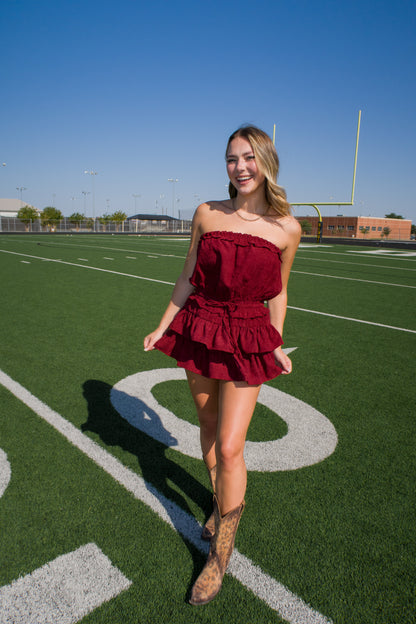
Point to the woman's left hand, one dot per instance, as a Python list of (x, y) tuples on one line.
[(283, 361)]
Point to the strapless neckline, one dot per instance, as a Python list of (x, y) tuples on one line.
[(241, 237)]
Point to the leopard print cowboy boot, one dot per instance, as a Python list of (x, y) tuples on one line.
[(209, 582)]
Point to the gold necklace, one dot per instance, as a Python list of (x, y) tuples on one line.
[(236, 210)]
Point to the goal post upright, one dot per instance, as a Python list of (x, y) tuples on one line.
[(355, 157), (337, 203)]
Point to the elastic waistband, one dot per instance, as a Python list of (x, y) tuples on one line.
[(235, 306)]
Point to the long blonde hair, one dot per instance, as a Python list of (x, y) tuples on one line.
[(268, 164)]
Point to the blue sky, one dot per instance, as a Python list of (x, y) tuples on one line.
[(141, 92)]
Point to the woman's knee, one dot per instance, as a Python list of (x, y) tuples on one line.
[(229, 454)]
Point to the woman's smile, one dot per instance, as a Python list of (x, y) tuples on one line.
[(242, 166)]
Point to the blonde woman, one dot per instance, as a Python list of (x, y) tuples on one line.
[(218, 328)]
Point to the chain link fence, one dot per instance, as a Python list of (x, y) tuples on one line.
[(89, 226)]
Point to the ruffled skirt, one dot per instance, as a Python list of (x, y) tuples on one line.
[(231, 340)]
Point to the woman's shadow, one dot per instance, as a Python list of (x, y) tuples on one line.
[(162, 476)]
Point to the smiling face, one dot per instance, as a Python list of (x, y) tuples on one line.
[(242, 167)]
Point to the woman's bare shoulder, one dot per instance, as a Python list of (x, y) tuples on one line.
[(292, 225), (286, 231), (289, 224), (213, 205), (209, 211)]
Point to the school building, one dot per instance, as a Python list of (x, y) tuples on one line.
[(358, 227)]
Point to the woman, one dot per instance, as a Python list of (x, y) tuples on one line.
[(217, 327)]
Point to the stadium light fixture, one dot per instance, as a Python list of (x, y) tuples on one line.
[(21, 189)]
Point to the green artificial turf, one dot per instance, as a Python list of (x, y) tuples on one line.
[(339, 534)]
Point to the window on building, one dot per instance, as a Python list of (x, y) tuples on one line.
[(331, 227), (379, 229), (341, 227), (373, 229), (351, 228)]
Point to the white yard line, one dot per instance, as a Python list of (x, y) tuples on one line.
[(300, 258), (348, 318), (358, 252), (352, 279), (97, 247), (83, 266), (289, 606)]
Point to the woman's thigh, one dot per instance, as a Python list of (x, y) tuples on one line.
[(237, 401), (205, 394)]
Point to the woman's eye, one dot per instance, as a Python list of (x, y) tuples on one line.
[(230, 160)]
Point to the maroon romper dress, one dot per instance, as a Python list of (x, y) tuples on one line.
[(223, 331)]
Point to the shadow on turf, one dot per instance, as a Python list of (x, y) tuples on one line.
[(157, 470)]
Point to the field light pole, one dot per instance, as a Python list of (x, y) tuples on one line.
[(92, 174), (85, 193), (173, 180), (21, 189)]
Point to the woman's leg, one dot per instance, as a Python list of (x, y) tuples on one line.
[(237, 401), (205, 393)]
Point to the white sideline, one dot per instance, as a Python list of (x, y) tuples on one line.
[(64, 590), (149, 279), (289, 606)]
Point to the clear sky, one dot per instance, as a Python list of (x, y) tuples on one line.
[(141, 92)]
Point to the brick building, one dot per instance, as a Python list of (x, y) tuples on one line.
[(360, 227)]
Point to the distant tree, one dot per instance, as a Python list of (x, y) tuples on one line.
[(306, 226), (50, 217), (76, 219), (413, 229), (104, 220), (386, 232), (27, 214), (90, 223), (118, 217), (365, 229), (393, 215)]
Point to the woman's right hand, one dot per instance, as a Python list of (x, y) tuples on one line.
[(151, 339)]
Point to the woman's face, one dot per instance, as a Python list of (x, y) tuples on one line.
[(242, 167)]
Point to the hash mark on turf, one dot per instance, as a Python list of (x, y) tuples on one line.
[(64, 590)]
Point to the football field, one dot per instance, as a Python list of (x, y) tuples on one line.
[(102, 485)]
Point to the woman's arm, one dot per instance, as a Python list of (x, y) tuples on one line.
[(278, 305), (182, 289)]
